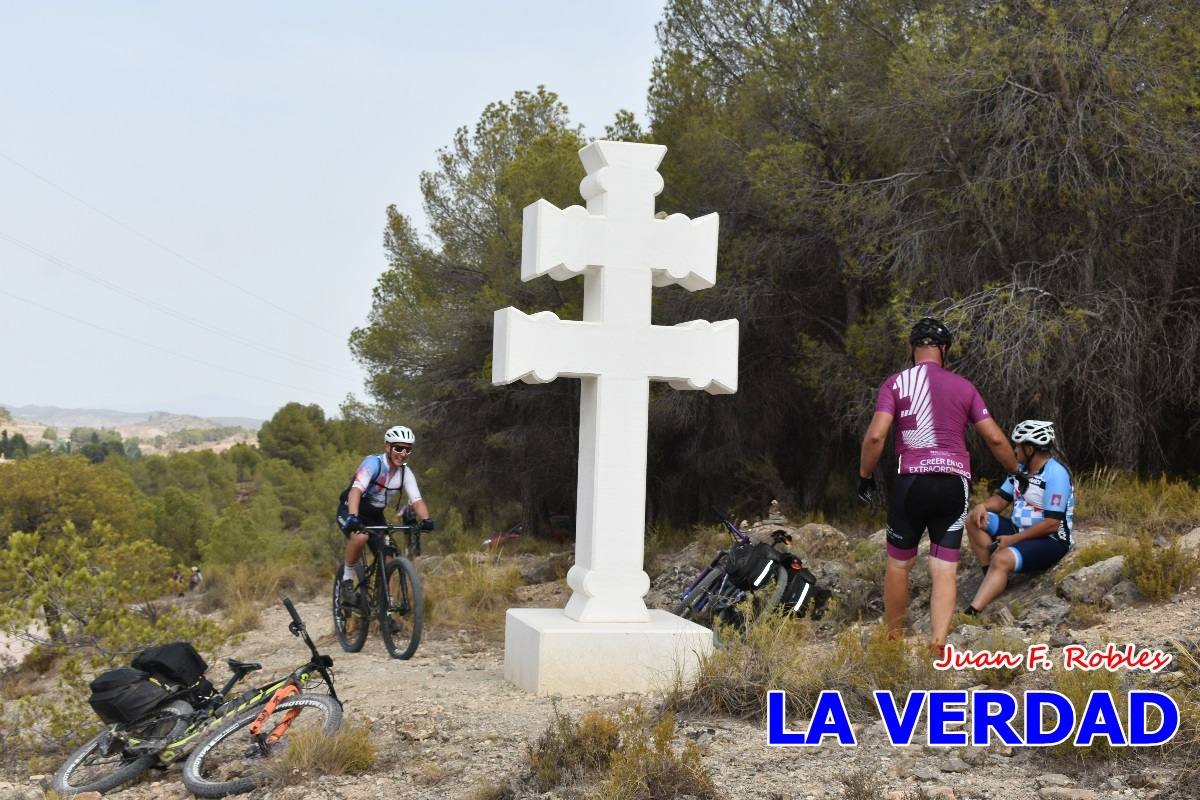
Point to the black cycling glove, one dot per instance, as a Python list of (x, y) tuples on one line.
[(427, 524), (868, 492)]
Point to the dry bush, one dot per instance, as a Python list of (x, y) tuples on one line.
[(999, 676), (1077, 686), (646, 767), (1127, 502), (570, 751), (261, 582), (1084, 615), (734, 680), (1160, 572), (861, 785), (347, 752), (471, 593)]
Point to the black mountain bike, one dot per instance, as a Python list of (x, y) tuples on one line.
[(388, 589), (220, 762)]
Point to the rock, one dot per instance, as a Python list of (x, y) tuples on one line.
[(83, 796), (1190, 541), (975, 756), (927, 773), (955, 764), (1045, 612), (941, 793), (1146, 779), (816, 540), (1054, 779), (1065, 793), (1123, 594), (1092, 584)]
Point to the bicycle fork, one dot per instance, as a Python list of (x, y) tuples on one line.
[(263, 742)]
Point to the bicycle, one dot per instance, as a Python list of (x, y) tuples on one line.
[(715, 595), (121, 752), (389, 588)]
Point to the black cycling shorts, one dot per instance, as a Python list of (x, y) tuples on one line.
[(367, 515), (933, 500)]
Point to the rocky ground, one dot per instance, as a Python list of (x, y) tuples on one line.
[(446, 721)]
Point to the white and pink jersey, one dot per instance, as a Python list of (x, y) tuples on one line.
[(930, 408)]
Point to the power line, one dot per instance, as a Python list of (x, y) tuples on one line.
[(164, 309), (160, 348), (163, 247)]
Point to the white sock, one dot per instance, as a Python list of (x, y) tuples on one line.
[(347, 573)]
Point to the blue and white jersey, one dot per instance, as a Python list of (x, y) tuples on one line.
[(1050, 495), (379, 484)]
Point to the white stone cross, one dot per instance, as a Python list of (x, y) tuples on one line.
[(622, 251)]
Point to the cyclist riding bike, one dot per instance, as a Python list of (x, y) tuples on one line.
[(379, 478), (1038, 534)]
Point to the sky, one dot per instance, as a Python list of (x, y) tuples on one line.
[(192, 195)]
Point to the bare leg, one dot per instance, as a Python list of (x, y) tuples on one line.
[(895, 594), (1003, 563), (354, 547), (941, 600), (979, 541)]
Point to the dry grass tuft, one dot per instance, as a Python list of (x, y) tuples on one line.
[(776, 654), (1127, 502), (472, 593), (348, 752)]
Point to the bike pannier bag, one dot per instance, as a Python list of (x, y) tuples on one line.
[(177, 662), (750, 566), (801, 588), (125, 695)]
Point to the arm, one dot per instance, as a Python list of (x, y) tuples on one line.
[(995, 504), (354, 500), (1039, 531), (421, 509), (872, 446), (997, 442)]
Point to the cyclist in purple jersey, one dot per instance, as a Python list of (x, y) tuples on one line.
[(930, 407)]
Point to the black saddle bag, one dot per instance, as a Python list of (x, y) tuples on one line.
[(126, 695), (177, 663), (749, 565)]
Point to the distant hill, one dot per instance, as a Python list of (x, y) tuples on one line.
[(160, 421), (156, 431)]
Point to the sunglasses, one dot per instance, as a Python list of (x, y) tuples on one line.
[(400, 448)]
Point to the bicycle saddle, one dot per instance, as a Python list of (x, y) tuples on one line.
[(242, 666)]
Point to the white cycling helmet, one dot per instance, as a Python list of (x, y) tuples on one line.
[(399, 435), (1034, 431)]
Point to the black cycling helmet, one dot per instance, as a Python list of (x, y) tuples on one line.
[(929, 331)]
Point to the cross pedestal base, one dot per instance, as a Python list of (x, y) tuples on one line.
[(547, 652)]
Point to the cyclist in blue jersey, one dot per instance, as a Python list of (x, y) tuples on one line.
[(1038, 533), (378, 479)]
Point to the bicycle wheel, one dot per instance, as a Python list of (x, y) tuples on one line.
[(770, 601), (350, 622), (103, 763), (691, 605), (231, 761), (403, 616)]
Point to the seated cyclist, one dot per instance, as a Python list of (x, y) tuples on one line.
[(379, 478), (1038, 534)]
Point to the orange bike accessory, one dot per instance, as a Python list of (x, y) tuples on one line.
[(284, 692)]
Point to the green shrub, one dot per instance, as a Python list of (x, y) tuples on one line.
[(646, 767), (569, 751)]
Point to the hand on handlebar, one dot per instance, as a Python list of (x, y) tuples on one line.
[(353, 523), (427, 524)]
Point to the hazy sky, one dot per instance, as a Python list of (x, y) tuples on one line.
[(192, 195)]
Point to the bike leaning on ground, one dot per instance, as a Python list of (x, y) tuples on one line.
[(388, 588), (203, 722), (745, 571)]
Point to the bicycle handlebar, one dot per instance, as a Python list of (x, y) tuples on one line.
[(390, 528)]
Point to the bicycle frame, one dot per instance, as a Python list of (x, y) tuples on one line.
[(206, 719), (736, 536), (384, 549)]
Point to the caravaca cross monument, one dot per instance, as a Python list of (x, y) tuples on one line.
[(606, 640)]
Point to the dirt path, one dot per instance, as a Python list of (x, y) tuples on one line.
[(446, 720)]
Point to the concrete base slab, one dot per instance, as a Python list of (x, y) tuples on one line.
[(547, 652)]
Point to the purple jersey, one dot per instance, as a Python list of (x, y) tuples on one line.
[(930, 408)]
